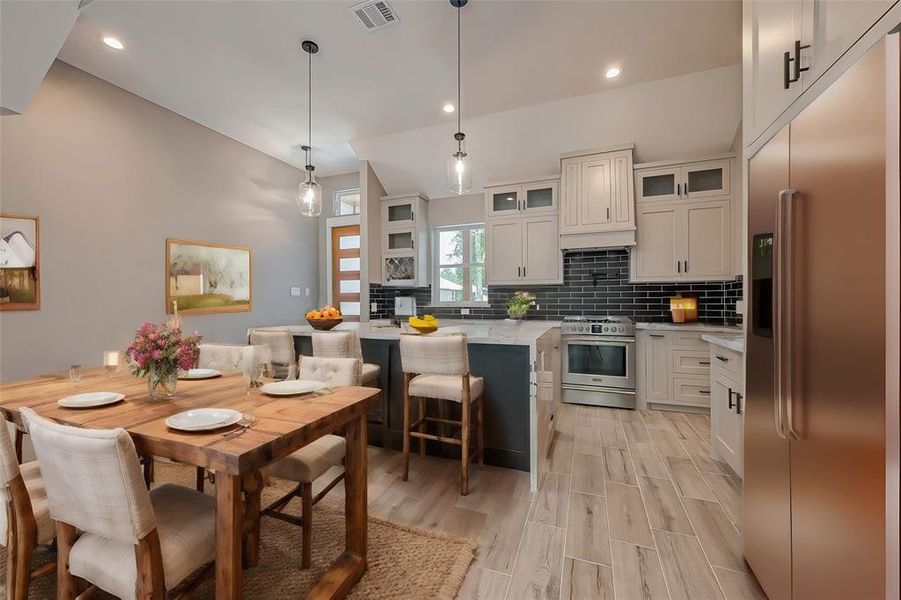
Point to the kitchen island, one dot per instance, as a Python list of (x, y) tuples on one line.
[(520, 363)]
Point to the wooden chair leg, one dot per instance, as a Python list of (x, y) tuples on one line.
[(24, 551), (66, 586), (11, 553), (200, 479), (147, 463), (19, 435), (307, 526), (253, 488), (464, 435), (480, 428), (406, 431), (422, 428), (151, 583)]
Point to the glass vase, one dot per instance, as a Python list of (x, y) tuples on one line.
[(161, 383)]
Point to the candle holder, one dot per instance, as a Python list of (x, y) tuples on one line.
[(110, 360)]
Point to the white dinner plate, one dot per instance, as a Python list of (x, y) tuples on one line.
[(204, 419), (199, 374), (91, 399), (292, 387)]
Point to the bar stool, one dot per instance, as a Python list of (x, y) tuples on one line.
[(437, 366), (345, 344), (281, 347)]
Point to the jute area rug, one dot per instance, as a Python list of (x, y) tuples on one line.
[(404, 562)]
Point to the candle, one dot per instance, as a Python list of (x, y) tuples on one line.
[(111, 361)]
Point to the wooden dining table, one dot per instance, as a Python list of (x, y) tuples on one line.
[(273, 428)]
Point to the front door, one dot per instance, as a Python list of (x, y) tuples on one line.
[(346, 271)]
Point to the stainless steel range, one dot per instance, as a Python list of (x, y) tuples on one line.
[(598, 361)]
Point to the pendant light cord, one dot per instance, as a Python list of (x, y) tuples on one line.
[(309, 112), (459, 105)]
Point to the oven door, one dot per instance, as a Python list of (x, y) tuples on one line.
[(599, 361)]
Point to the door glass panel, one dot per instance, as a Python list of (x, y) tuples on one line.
[(350, 308), (601, 360), (450, 247), (504, 201), (658, 185), (402, 240), (349, 286), (349, 242), (540, 198), (450, 284), (479, 284), (477, 241), (708, 180), (400, 213), (348, 264), (400, 268)]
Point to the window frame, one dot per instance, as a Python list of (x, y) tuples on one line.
[(336, 199), (466, 264)]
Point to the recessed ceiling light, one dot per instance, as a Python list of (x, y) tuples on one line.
[(449, 108), (113, 43), (613, 72)]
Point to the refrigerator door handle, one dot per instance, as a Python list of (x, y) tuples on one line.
[(783, 338), (777, 333), (789, 301)]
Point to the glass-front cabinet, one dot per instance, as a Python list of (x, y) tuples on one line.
[(521, 199), (405, 240), (689, 182)]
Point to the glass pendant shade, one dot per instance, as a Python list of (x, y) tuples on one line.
[(459, 172), (309, 198)]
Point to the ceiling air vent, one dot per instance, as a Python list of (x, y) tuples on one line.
[(375, 15)]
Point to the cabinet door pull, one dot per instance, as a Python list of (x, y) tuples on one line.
[(656, 335), (686, 266), (738, 399), (731, 404), (608, 214), (679, 266), (797, 60), (703, 362), (706, 392), (786, 70), (722, 358), (678, 189), (519, 271), (523, 271)]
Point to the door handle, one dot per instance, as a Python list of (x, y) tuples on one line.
[(722, 358), (519, 271), (703, 362), (656, 335), (679, 266), (679, 189), (608, 214), (686, 266), (731, 404), (738, 399), (797, 61), (786, 70), (705, 392), (783, 338), (523, 271)]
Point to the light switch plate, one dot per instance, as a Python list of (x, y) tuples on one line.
[(373, 307), (295, 291), (306, 291), (464, 311), (740, 307)]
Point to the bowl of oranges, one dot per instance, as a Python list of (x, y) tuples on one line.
[(425, 325), (324, 318)]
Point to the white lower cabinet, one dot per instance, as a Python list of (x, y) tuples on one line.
[(727, 395), (673, 370)]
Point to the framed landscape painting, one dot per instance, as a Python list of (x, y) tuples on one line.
[(20, 258), (204, 278)]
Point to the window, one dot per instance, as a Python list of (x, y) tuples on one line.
[(458, 270), (347, 202)]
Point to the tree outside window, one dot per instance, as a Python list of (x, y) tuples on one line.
[(459, 265)]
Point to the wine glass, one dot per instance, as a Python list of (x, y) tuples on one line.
[(75, 374)]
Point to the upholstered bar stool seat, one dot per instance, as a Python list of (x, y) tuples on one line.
[(370, 374), (37, 493), (186, 522), (445, 387)]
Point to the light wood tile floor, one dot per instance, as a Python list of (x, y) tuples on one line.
[(634, 507)]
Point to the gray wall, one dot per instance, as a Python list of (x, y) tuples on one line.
[(457, 210), (330, 185), (111, 176)]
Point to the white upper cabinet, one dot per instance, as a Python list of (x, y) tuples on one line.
[(522, 234), (792, 43), (598, 207), (405, 240), (685, 220)]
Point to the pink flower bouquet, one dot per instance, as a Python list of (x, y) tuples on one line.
[(160, 351)]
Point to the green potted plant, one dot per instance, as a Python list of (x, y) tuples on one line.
[(518, 304)]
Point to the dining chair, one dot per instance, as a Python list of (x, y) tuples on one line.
[(281, 347), (110, 530), (224, 357), (312, 461), (25, 521), (345, 344), (437, 367)]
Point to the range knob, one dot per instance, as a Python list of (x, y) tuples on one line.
[(606, 329)]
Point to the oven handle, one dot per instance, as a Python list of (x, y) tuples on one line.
[(603, 339)]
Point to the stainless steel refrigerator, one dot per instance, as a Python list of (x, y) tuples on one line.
[(814, 518)]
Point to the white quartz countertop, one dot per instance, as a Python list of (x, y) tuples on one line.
[(516, 333), (698, 327), (732, 342)]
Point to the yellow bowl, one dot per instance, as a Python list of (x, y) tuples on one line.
[(425, 330)]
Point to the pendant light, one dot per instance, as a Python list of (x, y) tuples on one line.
[(459, 169), (309, 193)]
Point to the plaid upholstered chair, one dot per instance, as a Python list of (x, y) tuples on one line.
[(345, 344), (313, 460), (437, 367), (25, 521), (281, 350), (225, 357), (112, 531)]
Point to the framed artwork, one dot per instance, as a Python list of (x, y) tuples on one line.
[(204, 278), (20, 259)]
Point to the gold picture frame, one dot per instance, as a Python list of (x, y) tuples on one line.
[(204, 278), (20, 262)]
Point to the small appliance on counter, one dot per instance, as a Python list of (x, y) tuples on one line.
[(684, 309), (598, 361), (404, 308)]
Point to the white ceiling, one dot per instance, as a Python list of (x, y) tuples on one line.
[(236, 66)]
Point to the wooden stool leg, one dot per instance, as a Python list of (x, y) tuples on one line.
[(406, 433), (307, 525), (200, 479), (422, 426), (442, 414), (480, 428), (66, 587), (24, 550), (464, 453)]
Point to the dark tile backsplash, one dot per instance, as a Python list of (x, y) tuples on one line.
[(595, 282)]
